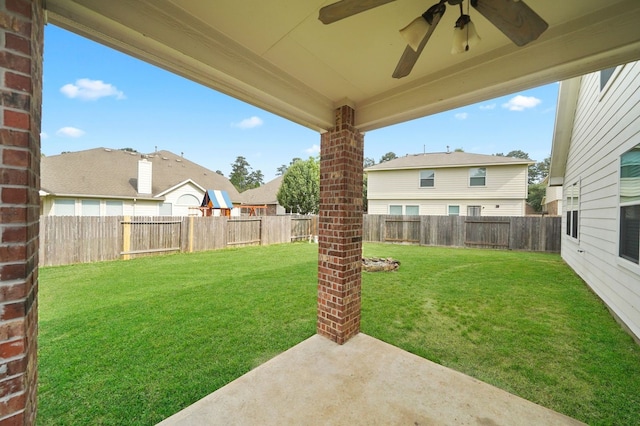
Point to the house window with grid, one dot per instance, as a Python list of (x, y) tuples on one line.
[(630, 205), (573, 207), (427, 178), (478, 176)]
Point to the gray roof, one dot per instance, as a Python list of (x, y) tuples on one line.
[(114, 173), (446, 159), (265, 194)]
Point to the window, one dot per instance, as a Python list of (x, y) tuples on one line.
[(630, 205), (412, 210), (64, 207), (165, 209), (474, 210), (454, 210), (395, 210), (605, 75), (188, 200), (573, 206), (478, 176), (114, 208), (90, 207), (427, 178)]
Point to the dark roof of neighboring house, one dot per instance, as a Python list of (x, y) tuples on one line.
[(265, 194), (114, 173), (446, 159)]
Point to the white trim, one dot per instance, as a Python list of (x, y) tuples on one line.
[(183, 183)]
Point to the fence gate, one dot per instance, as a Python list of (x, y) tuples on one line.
[(148, 235), (491, 232)]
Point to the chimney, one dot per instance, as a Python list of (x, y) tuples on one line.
[(144, 176)]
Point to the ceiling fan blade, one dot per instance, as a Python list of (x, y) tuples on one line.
[(514, 18), (410, 56), (345, 8)]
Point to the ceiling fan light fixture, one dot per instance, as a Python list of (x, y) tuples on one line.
[(415, 32), (465, 35)]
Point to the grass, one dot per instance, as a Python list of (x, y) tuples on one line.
[(134, 342)]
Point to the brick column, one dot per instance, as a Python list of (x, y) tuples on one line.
[(21, 37), (340, 229)]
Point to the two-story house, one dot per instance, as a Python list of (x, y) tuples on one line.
[(111, 182), (449, 183)]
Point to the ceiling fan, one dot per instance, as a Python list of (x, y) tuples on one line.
[(513, 17)]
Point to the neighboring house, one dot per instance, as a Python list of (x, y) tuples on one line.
[(596, 158), (449, 183), (265, 195), (552, 201), (111, 182)]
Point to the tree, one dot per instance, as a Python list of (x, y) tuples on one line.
[(539, 171), (368, 162), (458, 150), (280, 171), (518, 154), (242, 177), (537, 191), (219, 172), (300, 188), (388, 156)]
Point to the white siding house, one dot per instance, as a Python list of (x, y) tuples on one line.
[(596, 159), (106, 182), (452, 183)]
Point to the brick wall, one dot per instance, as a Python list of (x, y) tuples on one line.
[(340, 229), (21, 37)]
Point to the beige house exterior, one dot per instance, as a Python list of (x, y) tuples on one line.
[(449, 183), (109, 182), (265, 195), (596, 160)]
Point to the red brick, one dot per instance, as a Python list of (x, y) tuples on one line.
[(15, 420), (16, 43), (14, 234), (11, 349), (13, 177), (15, 157), (13, 215), (11, 137), (15, 62), (17, 82), (11, 311), (15, 100), (13, 271), (12, 254), (12, 405), (14, 195), (22, 7), (19, 120), (11, 292)]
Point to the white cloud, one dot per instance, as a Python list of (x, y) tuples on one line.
[(90, 90), (249, 123), (462, 116), (487, 106), (44, 135), (70, 132), (315, 149), (520, 103)]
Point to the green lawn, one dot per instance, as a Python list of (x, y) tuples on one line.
[(134, 342)]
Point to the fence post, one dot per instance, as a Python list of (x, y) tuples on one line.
[(190, 234), (126, 237)]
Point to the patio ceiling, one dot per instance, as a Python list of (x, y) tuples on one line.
[(277, 55)]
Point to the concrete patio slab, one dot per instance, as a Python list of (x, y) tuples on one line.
[(363, 382)]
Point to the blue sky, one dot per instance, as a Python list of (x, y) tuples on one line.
[(94, 96)]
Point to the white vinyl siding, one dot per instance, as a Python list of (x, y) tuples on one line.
[(605, 127), (503, 182)]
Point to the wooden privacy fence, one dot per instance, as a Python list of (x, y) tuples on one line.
[(70, 239), (530, 233)]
